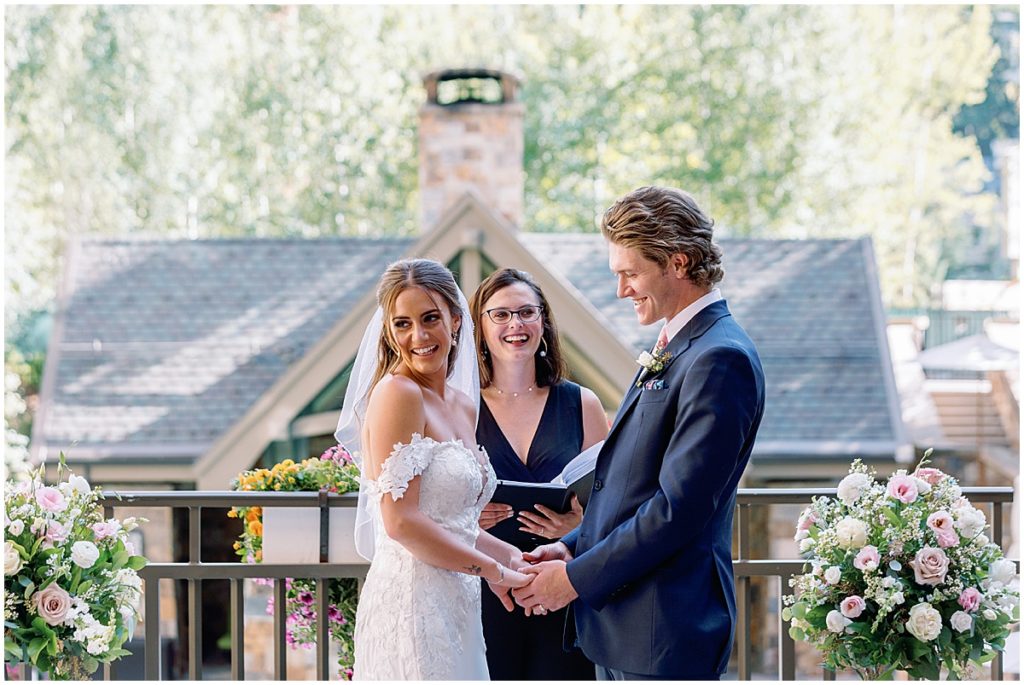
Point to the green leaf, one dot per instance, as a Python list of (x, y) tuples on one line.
[(120, 559), (40, 625), (787, 614), (893, 517), (36, 646), (137, 563), (796, 633), (29, 588), (90, 664), (799, 609)]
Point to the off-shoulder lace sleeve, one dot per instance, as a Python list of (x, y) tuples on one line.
[(403, 464)]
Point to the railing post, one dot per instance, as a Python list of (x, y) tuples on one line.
[(237, 629), (743, 599), (323, 631), (787, 648), (152, 623), (195, 598), (280, 614)]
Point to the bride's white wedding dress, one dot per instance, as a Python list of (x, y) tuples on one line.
[(416, 621)]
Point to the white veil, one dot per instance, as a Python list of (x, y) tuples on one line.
[(465, 378)]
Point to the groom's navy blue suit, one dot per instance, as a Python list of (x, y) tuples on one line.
[(653, 556)]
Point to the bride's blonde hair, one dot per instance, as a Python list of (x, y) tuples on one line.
[(433, 277)]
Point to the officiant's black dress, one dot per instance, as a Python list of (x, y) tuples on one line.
[(521, 647)]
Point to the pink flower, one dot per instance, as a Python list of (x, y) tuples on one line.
[(970, 599), (852, 607), (941, 523), (50, 499), (929, 475), (105, 529), (950, 539), (807, 519), (930, 566), (56, 531), (52, 604), (867, 559), (903, 488)]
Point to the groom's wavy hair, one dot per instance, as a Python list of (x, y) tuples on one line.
[(551, 368), (440, 285), (660, 222)]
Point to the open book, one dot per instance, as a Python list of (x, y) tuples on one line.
[(577, 478)]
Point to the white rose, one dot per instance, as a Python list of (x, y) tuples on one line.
[(853, 486), (16, 527), (989, 614), (832, 575), (982, 540), (925, 622), (79, 485), (851, 533), (806, 544), (836, 622), (961, 621), (970, 521), (1003, 571), (84, 553), (12, 560), (645, 359)]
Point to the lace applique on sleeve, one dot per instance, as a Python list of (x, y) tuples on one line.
[(403, 464)]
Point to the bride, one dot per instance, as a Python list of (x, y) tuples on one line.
[(409, 417)]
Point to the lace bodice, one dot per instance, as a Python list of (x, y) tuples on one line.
[(416, 621)]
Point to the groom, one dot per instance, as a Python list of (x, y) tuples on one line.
[(650, 567)]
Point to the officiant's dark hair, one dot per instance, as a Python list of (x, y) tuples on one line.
[(660, 222), (551, 368), (439, 283)]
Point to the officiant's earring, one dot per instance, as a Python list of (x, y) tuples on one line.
[(485, 352), (455, 340), (543, 352)]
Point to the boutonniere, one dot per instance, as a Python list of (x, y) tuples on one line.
[(652, 363)]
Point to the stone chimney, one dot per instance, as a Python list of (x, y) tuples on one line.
[(471, 138)]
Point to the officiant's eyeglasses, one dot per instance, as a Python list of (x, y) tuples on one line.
[(527, 314)]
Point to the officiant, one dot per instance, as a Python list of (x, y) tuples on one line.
[(532, 422)]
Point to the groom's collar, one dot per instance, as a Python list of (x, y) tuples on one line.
[(677, 322)]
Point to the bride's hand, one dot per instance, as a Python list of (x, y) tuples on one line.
[(511, 579)]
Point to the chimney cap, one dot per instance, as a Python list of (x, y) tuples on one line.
[(508, 82)]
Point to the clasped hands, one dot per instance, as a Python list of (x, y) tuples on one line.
[(541, 583)]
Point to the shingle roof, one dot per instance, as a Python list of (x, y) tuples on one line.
[(170, 342), (807, 305), (165, 345)]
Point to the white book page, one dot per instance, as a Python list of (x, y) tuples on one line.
[(580, 465)]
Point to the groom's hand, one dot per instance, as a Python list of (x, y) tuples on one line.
[(550, 552), (550, 590)]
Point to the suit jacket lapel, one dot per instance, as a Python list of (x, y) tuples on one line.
[(678, 346)]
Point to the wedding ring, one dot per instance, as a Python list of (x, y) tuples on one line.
[(541, 607)]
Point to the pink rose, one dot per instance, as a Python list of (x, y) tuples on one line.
[(970, 599), (930, 566), (52, 603), (56, 531), (50, 499), (852, 606), (867, 559), (929, 475), (903, 488)]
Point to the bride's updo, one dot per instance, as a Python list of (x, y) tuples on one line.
[(433, 277)]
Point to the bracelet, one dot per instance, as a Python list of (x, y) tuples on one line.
[(501, 575)]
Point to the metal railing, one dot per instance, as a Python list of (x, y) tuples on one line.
[(195, 571)]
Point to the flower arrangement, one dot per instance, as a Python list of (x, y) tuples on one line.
[(901, 576), (334, 471), (71, 586)]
